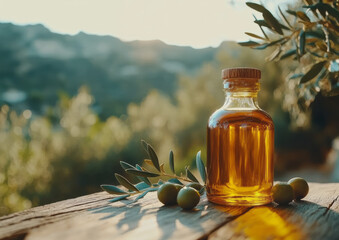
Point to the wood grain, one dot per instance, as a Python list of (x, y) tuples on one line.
[(316, 217), (93, 217)]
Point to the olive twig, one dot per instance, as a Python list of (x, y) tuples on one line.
[(177, 177), (145, 185)]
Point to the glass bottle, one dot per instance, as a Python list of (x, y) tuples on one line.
[(240, 144)]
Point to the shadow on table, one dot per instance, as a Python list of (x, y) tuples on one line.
[(169, 219), (168, 222), (132, 214), (206, 217), (299, 220)]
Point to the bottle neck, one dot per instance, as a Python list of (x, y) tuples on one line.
[(241, 101), (241, 94)]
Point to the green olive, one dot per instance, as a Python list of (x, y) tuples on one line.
[(167, 193), (195, 185), (178, 186), (282, 193), (300, 187), (188, 198)]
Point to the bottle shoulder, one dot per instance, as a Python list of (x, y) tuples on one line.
[(256, 116)]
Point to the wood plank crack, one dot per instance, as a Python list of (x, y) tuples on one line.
[(46, 216), (330, 205)]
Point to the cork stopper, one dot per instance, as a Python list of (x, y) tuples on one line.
[(241, 72)]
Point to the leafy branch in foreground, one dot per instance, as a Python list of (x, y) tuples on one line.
[(144, 185), (311, 38)]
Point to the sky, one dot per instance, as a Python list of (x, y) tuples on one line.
[(196, 23)]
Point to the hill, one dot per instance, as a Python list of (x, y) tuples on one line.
[(36, 65)]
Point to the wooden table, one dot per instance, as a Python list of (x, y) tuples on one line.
[(92, 217)]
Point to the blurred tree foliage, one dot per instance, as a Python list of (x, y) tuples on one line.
[(41, 162), (70, 151), (308, 34)]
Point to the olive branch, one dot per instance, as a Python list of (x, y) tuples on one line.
[(313, 41), (144, 185)]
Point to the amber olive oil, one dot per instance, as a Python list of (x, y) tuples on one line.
[(240, 145)]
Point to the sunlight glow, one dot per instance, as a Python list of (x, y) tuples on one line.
[(197, 23)]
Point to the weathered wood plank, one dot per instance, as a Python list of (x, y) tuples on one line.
[(92, 217), (20, 223), (315, 218), (146, 219)]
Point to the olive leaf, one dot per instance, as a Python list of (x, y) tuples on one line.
[(310, 2), (138, 167), (201, 166), (162, 167), (141, 186), (274, 54), (265, 45), (144, 186), (284, 17), (153, 157), (124, 182), (262, 46), (171, 161), (248, 43), (149, 162), (288, 54), (297, 56), (281, 41), (142, 173), (311, 40), (119, 198), (262, 23), (160, 182), (111, 189), (273, 22), (302, 39), (294, 13), (321, 9), (303, 16), (175, 180), (145, 193), (315, 54), (256, 7), (190, 175), (315, 34), (321, 45), (314, 71), (296, 75), (202, 190), (318, 6), (262, 30), (144, 179), (125, 165), (322, 74), (265, 24), (254, 35), (144, 145), (141, 196), (284, 27), (332, 11)]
